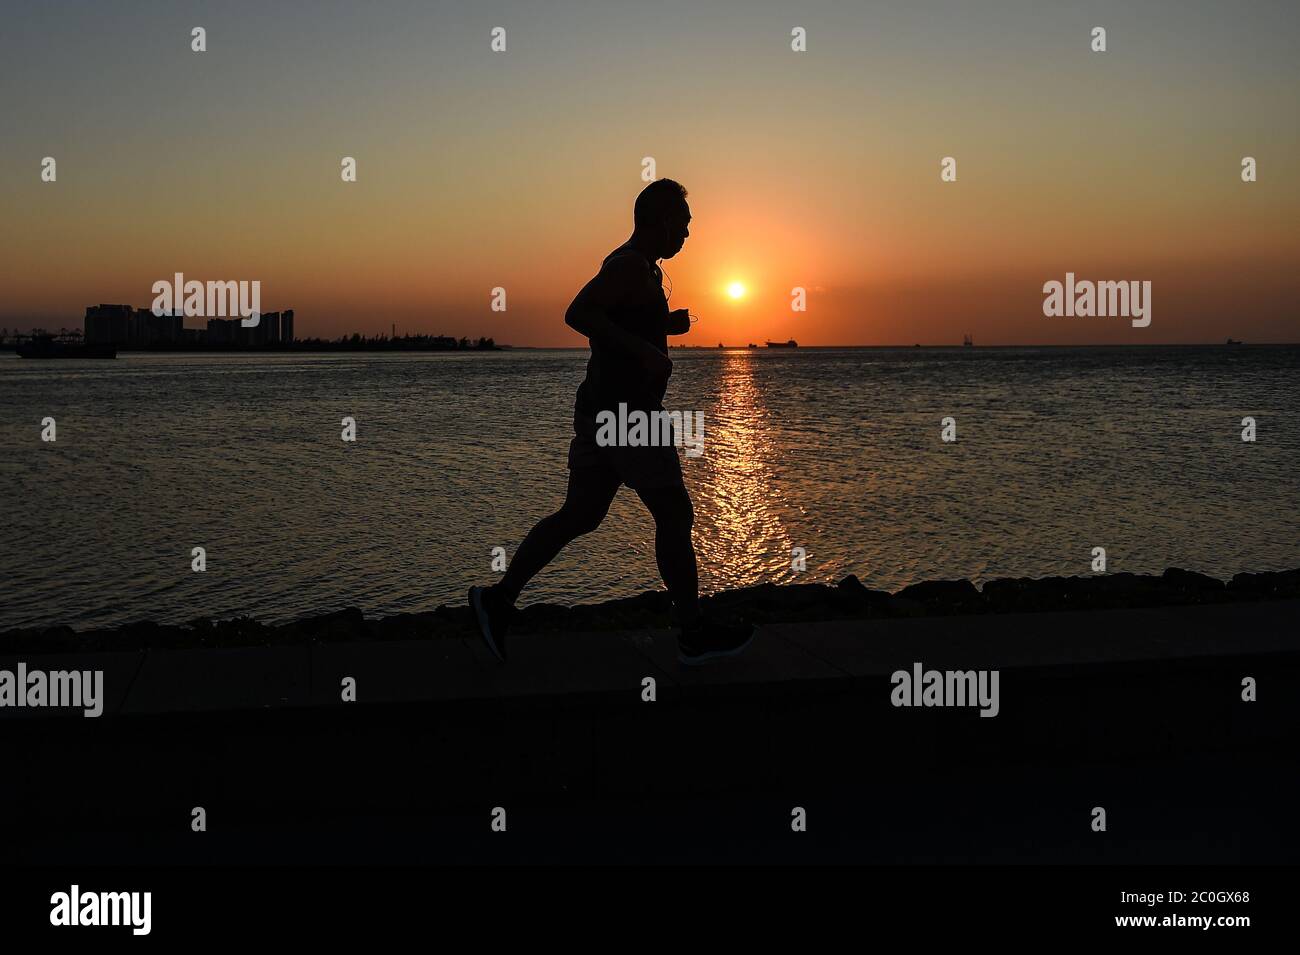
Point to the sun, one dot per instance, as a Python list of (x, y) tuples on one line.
[(736, 290)]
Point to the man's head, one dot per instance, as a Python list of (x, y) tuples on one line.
[(662, 216)]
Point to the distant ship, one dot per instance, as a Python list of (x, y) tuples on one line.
[(47, 346), (752, 345), (967, 342), (790, 344), (1232, 341)]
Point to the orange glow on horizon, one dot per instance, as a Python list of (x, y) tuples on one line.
[(793, 185)]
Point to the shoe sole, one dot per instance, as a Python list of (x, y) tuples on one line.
[(484, 627), (712, 655)]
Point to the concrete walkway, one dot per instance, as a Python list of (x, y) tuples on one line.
[(1136, 711), (600, 664)]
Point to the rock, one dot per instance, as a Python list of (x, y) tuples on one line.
[(906, 607), (341, 625), (852, 597), (405, 626), (1121, 583), (1274, 585), (1100, 591), (1122, 590), (949, 595), (1012, 594), (61, 638), (1187, 580), (764, 603)]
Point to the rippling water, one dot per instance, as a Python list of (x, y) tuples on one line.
[(834, 450)]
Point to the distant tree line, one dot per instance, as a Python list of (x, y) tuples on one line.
[(358, 342), (354, 342)]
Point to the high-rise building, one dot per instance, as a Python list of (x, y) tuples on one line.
[(150, 329), (139, 327), (269, 329), (222, 331), (108, 324), (173, 327)]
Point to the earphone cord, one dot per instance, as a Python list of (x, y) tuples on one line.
[(668, 295)]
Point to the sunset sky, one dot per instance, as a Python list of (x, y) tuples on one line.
[(518, 169)]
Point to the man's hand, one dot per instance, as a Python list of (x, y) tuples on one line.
[(679, 321)]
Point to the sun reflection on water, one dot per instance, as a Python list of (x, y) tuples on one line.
[(739, 534)]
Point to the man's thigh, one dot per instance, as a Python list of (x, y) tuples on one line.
[(593, 481)]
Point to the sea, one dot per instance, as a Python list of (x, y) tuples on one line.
[(817, 463)]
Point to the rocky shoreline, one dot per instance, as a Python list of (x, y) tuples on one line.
[(765, 603)]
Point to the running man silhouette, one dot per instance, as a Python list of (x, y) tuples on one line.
[(624, 313)]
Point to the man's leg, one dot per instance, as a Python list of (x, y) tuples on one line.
[(701, 640), (674, 551), (590, 492)]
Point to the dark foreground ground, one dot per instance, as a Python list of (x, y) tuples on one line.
[(1136, 709)]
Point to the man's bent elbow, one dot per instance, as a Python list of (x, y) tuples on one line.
[(579, 320)]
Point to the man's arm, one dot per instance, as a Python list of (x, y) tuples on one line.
[(620, 279), (679, 321)]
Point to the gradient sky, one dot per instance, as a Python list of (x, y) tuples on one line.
[(818, 169)]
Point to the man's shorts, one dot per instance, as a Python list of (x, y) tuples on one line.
[(640, 468)]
